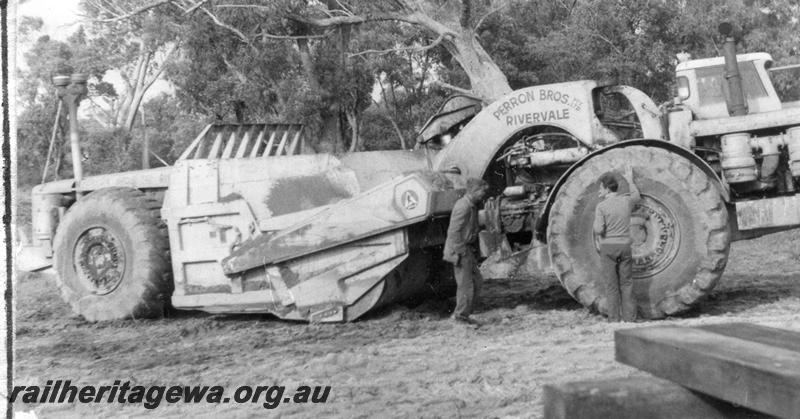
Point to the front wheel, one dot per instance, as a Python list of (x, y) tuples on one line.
[(679, 229), (112, 256)]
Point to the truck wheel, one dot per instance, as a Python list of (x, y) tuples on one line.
[(112, 256), (679, 229)]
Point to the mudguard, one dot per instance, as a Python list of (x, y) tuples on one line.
[(567, 106)]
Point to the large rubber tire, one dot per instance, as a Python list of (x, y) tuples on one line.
[(112, 256), (674, 268)]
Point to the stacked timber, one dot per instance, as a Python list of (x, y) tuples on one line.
[(734, 370)]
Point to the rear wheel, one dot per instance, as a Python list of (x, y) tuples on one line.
[(679, 231), (112, 256)]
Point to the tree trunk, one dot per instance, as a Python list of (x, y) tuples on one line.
[(138, 92), (388, 114), (145, 144), (399, 133), (141, 84), (130, 90), (308, 64), (328, 137), (355, 139), (487, 80), (134, 109)]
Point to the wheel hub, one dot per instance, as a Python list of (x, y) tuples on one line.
[(99, 261), (656, 237)]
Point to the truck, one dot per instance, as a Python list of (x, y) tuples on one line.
[(246, 222)]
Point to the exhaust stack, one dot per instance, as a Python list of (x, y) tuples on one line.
[(71, 90), (735, 100)]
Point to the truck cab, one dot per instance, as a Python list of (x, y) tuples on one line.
[(703, 89), (748, 145)]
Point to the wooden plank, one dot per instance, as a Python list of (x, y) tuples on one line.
[(779, 338), (214, 153), (228, 150), (635, 398), (295, 140), (195, 143), (268, 148), (257, 145), (243, 145), (759, 376), (282, 146)]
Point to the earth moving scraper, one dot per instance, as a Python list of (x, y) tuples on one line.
[(245, 221), (330, 262)]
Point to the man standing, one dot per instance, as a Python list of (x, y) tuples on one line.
[(459, 248), (612, 226)]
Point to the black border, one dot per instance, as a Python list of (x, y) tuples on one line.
[(7, 204)]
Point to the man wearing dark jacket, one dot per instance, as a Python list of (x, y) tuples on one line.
[(459, 248), (612, 226)]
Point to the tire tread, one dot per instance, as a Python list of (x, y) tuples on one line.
[(714, 223), (146, 294)]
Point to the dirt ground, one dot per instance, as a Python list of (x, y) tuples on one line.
[(400, 362)]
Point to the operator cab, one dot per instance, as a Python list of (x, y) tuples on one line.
[(702, 86), (454, 114)]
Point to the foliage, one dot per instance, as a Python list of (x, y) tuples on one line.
[(137, 48), (169, 129), (360, 74), (34, 125), (37, 98), (107, 150), (547, 42)]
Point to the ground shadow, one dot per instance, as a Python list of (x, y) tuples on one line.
[(496, 294)]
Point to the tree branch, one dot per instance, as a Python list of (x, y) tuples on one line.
[(161, 68), (394, 124), (433, 44), (424, 66), (239, 75), (130, 14), (108, 113), (126, 80), (489, 13), (404, 5), (454, 88), (608, 41), (222, 24), (195, 7), (571, 8), (343, 7), (273, 36), (141, 73), (159, 158), (412, 17), (244, 6), (354, 19), (101, 7)]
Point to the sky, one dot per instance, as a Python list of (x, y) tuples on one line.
[(61, 18)]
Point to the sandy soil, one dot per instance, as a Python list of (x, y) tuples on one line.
[(402, 361)]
